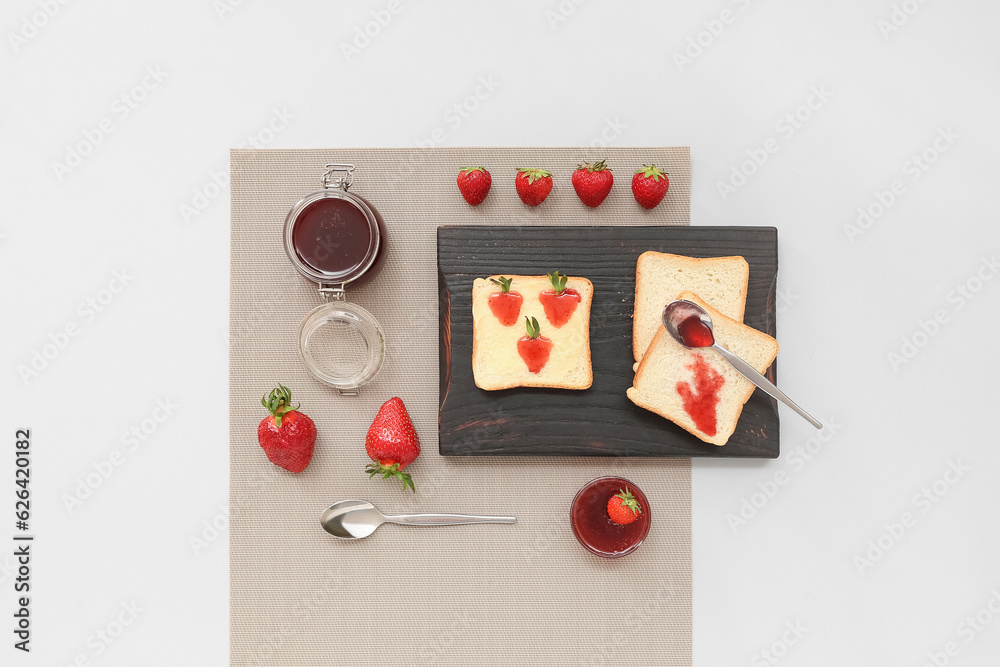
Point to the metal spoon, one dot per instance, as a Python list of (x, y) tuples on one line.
[(354, 519), (682, 310)]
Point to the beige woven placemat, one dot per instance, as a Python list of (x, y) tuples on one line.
[(526, 594)]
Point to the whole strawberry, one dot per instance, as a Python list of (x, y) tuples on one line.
[(649, 184), (286, 435), (532, 185), (474, 184), (593, 182), (623, 508), (392, 443)]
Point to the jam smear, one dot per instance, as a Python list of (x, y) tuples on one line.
[(695, 333), (332, 236), (559, 306), (701, 403), (506, 306)]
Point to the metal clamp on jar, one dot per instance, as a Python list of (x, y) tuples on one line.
[(335, 238)]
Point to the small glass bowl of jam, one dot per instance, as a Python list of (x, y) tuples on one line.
[(337, 239), (593, 527)]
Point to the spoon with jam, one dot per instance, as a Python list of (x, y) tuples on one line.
[(691, 326)]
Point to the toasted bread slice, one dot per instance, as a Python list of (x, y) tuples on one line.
[(496, 363), (669, 370), (660, 277)]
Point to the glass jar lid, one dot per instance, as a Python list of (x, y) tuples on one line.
[(342, 344)]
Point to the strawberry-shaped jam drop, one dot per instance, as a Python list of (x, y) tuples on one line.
[(559, 303), (506, 305), (534, 348)]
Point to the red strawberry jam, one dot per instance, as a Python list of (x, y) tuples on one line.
[(701, 402), (534, 351), (334, 237), (695, 333), (559, 307), (506, 306), (534, 348), (594, 528)]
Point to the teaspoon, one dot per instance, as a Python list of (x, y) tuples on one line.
[(354, 519)]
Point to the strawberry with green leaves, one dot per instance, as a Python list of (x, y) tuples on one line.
[(649, 185), (534, 348), (392, 443), (474, 184), (506, 305), (287, 436), (532, 185), (592, 182), (559, 303), (623, 508)]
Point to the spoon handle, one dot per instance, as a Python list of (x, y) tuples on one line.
[(446, 519), (751, 374)]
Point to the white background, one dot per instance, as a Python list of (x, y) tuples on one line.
[(563, 74)]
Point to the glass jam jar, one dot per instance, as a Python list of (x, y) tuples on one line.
[(336, 238)]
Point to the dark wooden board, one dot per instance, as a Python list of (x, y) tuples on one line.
[(599, 421)]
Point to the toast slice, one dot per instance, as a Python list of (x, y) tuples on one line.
[(677, 383), (496, 362), (660, 277)]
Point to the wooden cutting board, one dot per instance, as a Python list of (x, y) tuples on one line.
[(599, 421)]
